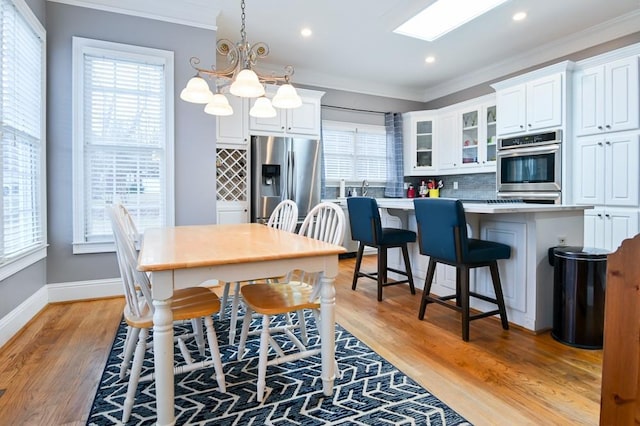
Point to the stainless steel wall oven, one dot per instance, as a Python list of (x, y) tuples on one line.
[(529, 167)]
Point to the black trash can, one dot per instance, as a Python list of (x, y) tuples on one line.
[(579, 282)]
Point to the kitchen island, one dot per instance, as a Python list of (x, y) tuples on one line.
[(527, 277)]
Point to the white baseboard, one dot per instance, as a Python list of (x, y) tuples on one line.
[(84, 290), (13, 322)]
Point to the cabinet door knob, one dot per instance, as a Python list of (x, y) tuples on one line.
[(600, 215), (608, 142), (599, 143), (529, 124), (599, 127), (608, 216), (521, 126), (608, 126)]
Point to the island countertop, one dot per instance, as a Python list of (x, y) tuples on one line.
[(482, 207)]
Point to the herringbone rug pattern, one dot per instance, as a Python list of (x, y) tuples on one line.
[(370, 390)]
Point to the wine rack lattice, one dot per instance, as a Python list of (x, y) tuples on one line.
[(231, 174)]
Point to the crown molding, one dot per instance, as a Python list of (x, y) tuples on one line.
[(193, 13), (590, 37)]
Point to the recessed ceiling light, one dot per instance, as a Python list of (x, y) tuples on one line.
[(443, 16), (306, 32), (519, 16), (430, 59)]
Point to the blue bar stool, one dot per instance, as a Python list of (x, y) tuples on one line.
[(366, 228), (442, 235)]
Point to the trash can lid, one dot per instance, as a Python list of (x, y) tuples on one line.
[(577, 252)]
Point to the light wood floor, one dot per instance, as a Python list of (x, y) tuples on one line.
[(49, 372)]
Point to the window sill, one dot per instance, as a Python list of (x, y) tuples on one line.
[(88, 248), (23, 262)]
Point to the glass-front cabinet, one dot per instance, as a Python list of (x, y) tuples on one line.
[(478, 137), (419, 147)]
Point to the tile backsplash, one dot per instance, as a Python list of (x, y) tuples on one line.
[(479, 186)]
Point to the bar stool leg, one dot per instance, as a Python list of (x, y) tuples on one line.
[(497, 288), (427, 288), (356, 270), (382, 269), (407, 268), (463, 271)]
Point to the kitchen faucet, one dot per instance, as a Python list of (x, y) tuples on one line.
[(363, 189)]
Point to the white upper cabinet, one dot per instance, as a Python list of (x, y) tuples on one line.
[(419, 142), (607, 170), (607, 97), (448, 141), (304, 120), (231, 129), (531, 106)]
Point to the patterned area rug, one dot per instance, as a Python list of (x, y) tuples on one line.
[(371, 391)]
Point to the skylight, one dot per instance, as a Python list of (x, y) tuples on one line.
[(443, 16)]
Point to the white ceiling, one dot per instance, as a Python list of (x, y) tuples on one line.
[(353, 47)]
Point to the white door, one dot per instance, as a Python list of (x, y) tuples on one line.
[(304, 120), (230, 129), (544, 103), (511, 106), (589, 166), (621, 102), (589, 102), (622, 157), (619, 224), (447, 140)]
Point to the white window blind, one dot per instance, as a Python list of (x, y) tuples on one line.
[(354, 152), (22, 127), (123, 140)]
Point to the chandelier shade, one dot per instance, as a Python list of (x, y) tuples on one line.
[(241, 79), (286, 97), (262, 108), (247, 85), (219, 105), (197, 91)]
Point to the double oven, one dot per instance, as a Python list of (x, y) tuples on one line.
[(529, 167)]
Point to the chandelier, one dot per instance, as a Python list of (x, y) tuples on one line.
[(240, 79)]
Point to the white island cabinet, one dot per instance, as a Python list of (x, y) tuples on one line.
[(527, 277)]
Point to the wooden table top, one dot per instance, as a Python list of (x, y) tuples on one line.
[(209, 245)]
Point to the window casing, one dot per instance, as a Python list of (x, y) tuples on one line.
[(354, 152), (123, 138), (23, 236)]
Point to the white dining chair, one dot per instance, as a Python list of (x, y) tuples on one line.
[(284, 217), (189, 304), (325, 222)]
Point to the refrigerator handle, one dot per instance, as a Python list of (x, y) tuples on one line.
[(292, 174)]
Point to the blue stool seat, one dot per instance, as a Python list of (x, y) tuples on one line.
[(366, 228), (442, 235)]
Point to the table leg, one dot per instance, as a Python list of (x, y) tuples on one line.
[(163, 360), (327, 333)]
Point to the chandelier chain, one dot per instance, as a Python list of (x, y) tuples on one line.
[(243, 34)]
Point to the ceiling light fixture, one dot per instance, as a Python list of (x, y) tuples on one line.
[(430, 59), (241, 79), (443, 16), (519, 16), (306, 32)]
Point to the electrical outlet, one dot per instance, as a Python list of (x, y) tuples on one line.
[(562, 240), (455, 185)]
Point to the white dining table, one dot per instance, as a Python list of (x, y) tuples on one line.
[(186, 256)]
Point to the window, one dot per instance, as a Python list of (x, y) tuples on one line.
[(354, 152), (123, 138), (22, 112)]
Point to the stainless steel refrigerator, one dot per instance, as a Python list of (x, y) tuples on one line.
[(284, 168)]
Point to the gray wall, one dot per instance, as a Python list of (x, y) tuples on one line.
[(194, 130), (340, 105)]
